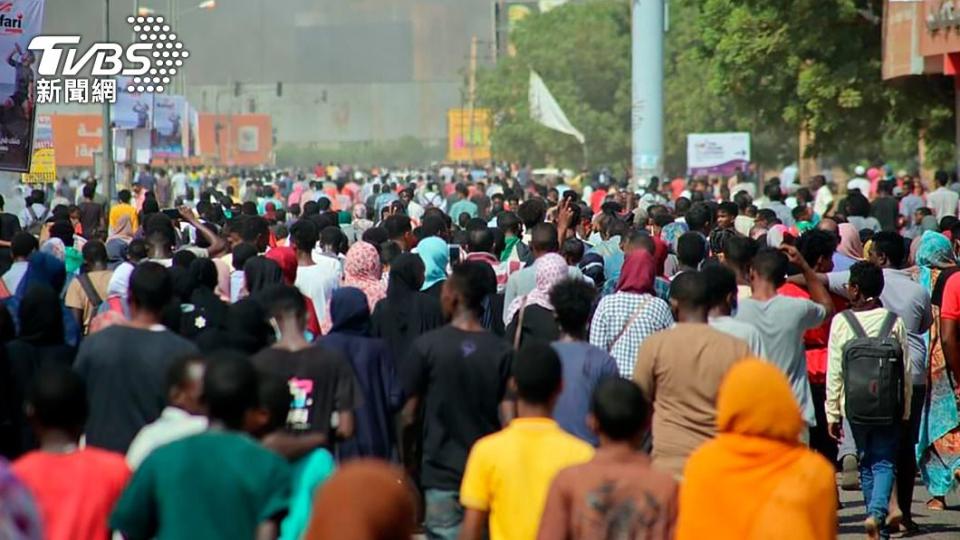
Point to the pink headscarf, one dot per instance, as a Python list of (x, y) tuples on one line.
[(551, 269), (362, 270), (850, 244)]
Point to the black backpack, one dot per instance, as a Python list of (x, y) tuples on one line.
[(873, 374)]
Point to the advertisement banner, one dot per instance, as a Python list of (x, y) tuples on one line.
[(717, 153), (466, 140), (77, 138), (133, 110), (43, 166), (168, 113), (20, 21)]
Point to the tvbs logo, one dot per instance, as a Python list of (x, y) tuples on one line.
[(156, 53)]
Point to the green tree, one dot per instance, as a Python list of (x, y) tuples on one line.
[(582, 51)]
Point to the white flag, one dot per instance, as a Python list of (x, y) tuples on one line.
[(545, 110)]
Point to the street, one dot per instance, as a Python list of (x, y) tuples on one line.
[(936, 525)]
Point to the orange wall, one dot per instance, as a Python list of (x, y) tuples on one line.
[(77, 136)]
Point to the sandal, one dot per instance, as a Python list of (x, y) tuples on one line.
[(937, 504)]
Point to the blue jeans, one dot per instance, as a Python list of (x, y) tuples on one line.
[(443, 515), (877, 448)]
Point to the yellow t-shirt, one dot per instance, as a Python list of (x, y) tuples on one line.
[(121, 209), (509, 473)]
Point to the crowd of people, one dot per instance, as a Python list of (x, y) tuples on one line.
[(347, 354)]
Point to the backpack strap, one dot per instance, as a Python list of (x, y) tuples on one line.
[(519, 330), (855, 325), (887, 327), (92, 295), (936, 296)]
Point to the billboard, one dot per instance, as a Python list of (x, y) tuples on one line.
[(717, 153), (133, 110), (77, 137), (168, 120), (20, 21), (43, 165), (466, 140)]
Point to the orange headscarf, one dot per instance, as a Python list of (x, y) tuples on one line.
[(365, 500), (755, 479)]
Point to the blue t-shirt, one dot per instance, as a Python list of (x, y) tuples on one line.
[(584, 366)]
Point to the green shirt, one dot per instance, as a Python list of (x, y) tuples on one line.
[(217, 484)]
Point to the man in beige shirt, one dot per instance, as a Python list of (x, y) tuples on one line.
[(680, 371), (97, 278)]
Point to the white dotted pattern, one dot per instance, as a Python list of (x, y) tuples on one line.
[(167, 51)]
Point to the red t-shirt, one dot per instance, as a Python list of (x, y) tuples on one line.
[(75, 492), (950, 305), (597, 198), (815, 339)]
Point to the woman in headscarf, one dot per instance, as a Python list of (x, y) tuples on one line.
[(406, 313), (260, 273), (670, 235), (360, 221), (938, 441), (382, 506), (755, 479), (531, 316), (203, 311), (45, 269), (850, 248), (928, 223), (40, 344), (624, 319), (436, 255), (374, 367), (362, 270)]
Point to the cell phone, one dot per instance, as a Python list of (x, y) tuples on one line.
[(171, 213), (454, 253)]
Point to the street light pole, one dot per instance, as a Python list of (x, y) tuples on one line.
[(107, 131)]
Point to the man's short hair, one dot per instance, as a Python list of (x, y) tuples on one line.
[(255, 227), (375, 236), (433, 225), (230, 388), (23, 244), (816, 244), (123, 195), (691, 249), (537, 373), (868, 277), (467, 280), (721, 282), (573, 249), (304, 235), (690, 290), (620, 408), (397, 226), (743, 200), (58, 399), (698, 217), (892, 246), (728, 208), (89, 190), (480, 240), (773, 192), (532, 212), (681, 205), (94, 252), (543, 238), (941, 177), (572, 301), (768, 215), (771, 265), (285, 301), (150, 287)]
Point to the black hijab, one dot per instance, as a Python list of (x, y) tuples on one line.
[(41, 317), (406, 313), (261, 273)]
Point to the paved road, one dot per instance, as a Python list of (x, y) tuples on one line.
[(936, 525)]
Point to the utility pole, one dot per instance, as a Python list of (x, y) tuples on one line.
[(107, 130), (472, 89), (647, 89)]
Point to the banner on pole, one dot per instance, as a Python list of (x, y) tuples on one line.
[(43, 165), (468, 139), (717, 153), (20, 21), (133, 110), (167, 126)]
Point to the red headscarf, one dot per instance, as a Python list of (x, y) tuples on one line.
[(638, 273), (286, 259)]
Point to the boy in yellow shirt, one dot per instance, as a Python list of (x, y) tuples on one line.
[(508, 474)]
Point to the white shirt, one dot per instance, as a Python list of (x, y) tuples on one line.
[(822, 201), (14, 275), (861, 184), (174, 424), (943, 202), (318, 282)]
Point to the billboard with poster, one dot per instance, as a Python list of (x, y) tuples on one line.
[(168, 119), (43, 165), (133, 110), (20, 21), (717, 153)]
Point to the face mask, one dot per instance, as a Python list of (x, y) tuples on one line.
[(594, 238)]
